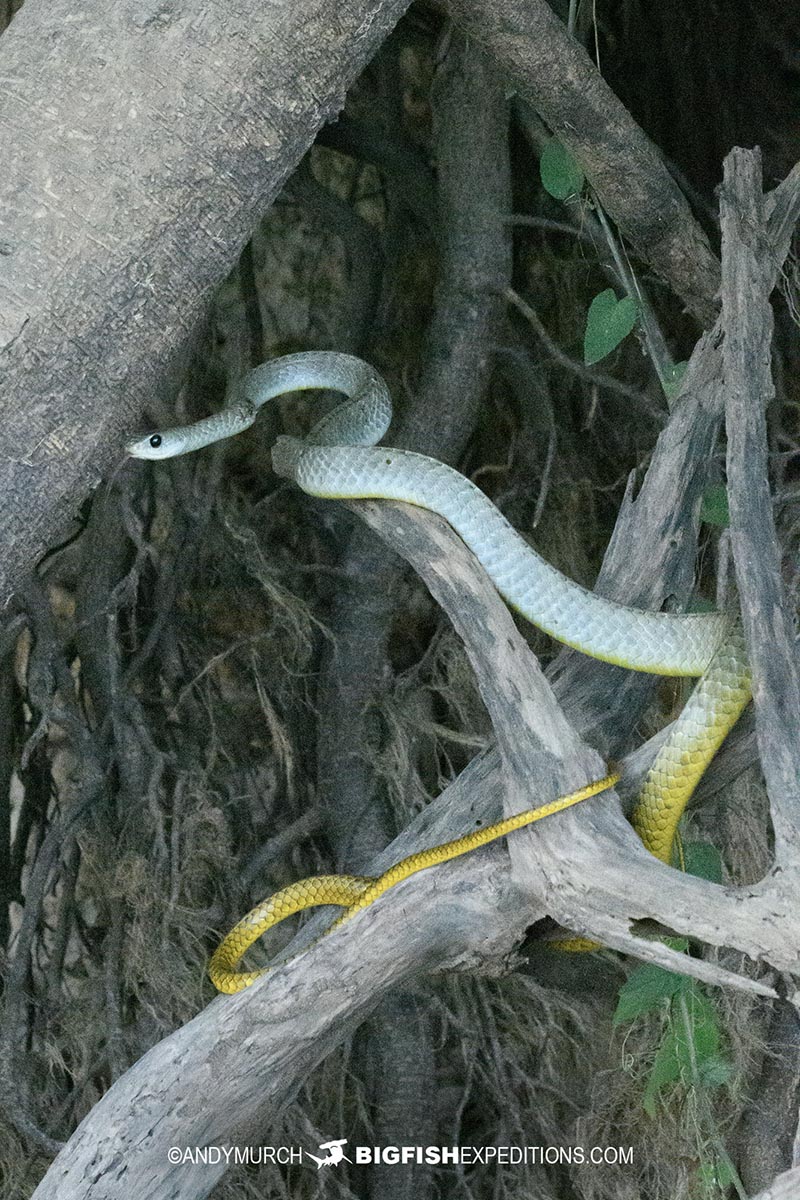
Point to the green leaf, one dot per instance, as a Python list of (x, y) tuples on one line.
[(704, 1026), (716, 1177), (703, 860), (647, 988), (560, 174), (673, 378), (682, 1050), (666, 1069), (608, 321), (715, 1071), (714, 508)]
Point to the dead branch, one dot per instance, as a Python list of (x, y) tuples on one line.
[(651, 555), (253, 1050), (588, 869), (783, 1188), (746, 351)]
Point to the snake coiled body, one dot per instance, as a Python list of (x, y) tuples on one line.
[(339, 460)]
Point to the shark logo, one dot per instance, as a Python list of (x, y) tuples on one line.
[(334, 1156)]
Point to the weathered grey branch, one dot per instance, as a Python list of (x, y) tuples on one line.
[(253, 1050), (534, 738), (782, 211), (650, 559), (747, 317), (555, 74), (262, 1043), (250, 1053), (785, 1187), (136, 160), (554, 861)]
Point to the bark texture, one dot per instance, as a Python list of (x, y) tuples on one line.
[(252, 1051), (159, 133), (746, 353), (140, 142)]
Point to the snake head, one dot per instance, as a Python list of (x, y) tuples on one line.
[(157, 445), (169, 443)]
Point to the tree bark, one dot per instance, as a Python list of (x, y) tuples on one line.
[(253, 1050), (746, 352), (101, 280), (783, 1188), (140, 143), (553, 72)]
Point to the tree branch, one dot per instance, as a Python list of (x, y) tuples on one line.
[(783, 1188), (555, 74), (747, 317), (553, 861), (253, 1050), (651, 556)]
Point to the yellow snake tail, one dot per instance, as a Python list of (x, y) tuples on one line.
[(356, 892), (707, 717), (306, 893)]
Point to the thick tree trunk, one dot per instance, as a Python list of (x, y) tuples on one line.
[(139, 142)]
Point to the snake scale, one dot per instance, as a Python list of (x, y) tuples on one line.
[(339, 459)]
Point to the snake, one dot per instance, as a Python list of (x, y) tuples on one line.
[(340, 459)]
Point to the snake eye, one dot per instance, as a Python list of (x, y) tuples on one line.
[(155, 440)]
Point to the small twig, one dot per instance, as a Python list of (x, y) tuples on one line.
[(541, 499), (548, 224), (654, 338)]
